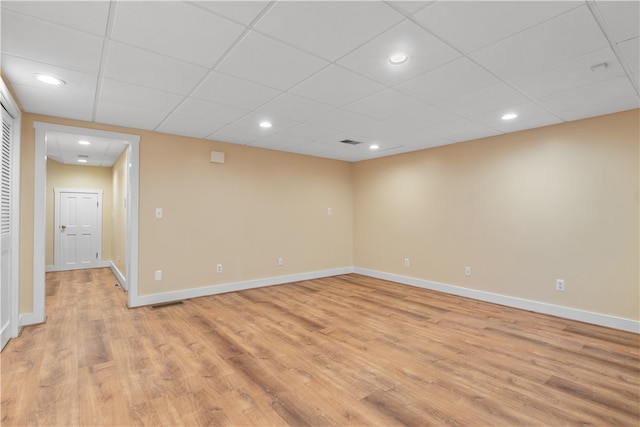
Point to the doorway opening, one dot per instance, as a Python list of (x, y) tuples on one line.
[(47, 135)]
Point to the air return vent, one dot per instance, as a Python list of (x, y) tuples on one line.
[(351, 142)]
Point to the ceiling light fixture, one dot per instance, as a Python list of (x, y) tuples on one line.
[(83, 142), (265, 124), (374, 146), (509, 116), (398, 58), (44, 78), (83, 159)]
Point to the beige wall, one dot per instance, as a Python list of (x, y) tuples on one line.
[(521, 209), (60, 175), (119, 213), (258, 206)]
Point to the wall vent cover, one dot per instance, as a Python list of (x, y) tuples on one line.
[(351, 142)]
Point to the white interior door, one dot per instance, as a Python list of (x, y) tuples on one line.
[(79, 229), (5, 229)]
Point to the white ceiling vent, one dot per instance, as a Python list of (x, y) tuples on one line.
[(351, 142)]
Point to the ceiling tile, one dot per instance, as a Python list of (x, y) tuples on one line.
[(449, 81), (530, 115), (308, 132), (587, 111), (49, 102), (89, 16), (240, 11), (188, 126), (593, 94), (138, 96), (22, 72), (483, 100), (471, 25), (34, 39), (308, 148), (269, 62), (342, 120), (425, 52), (385, 105), (234, 135), (204, 110), (461, 130), (544, 45), (294, 107), (569, 74), (208, 36), (329, 29), (631, 53), (411, 6), (228, 90), (622, 18), (275, 142), (128, 115), (337, 86), (144, 68)]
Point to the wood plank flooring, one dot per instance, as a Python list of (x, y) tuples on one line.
[(347, 350)]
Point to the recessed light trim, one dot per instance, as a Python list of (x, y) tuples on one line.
[(50, 80), (84, 142), (265, 124), (374, 146), (509, 116), (398, 58)]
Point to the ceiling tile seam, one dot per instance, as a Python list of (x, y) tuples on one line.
[(213, 69), (604, 27), (49, 22), (390, 3), (467, 56), (103, 58), (74, 69)]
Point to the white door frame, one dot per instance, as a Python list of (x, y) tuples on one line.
[(40, 179), (10, 104), (56, 222)]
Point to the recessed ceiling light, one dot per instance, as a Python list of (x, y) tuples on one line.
[(83, 142), (398, 58), (50, 80), (265, 124), (598, 68), (509, 116), (83, 159), (374, 146)]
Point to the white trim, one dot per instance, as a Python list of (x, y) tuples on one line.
[(238, 286), (56, 224), (50, 268), (119, 277), (29, 319), (521, 303), (133, 141), (11, 105)]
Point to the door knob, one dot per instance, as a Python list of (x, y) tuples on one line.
[(63, 227)]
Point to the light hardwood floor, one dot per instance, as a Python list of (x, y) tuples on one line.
[(347, 350)]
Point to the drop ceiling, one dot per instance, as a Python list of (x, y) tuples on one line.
[(319, 71)]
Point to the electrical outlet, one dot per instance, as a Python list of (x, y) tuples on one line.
[(560, 285), (158, 275), (406, 262), (467, 271), (158, 213), (329, 211), (219, 268), (280, 262)]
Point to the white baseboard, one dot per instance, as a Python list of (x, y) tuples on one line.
[(119, 277), (99, 264), (27, 319), (237, 286), (536, 306), (49, 268)]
